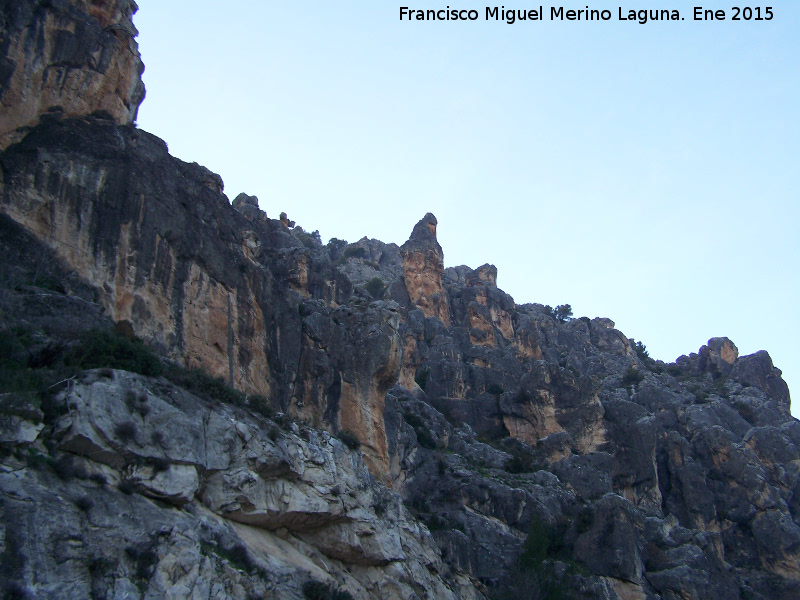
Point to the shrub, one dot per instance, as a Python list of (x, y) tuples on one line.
[(536, 546), (116, 351), (424, 436), (425, 439), (522, 397), (746, 412), (126, 486), (532, 580), (521, 462), (97, 567), (202, 384), (375, 287), (495, 389), (125, 431), (334, 247), (22, 370), (354, 252), (240, 557), (349, 439), (632, 377), (15, 591), (644, 356), (260, 404), (130, 400), (64, 468), (379, 506), (317, 590), (98, 478), (158, 463), (309, 240), (283, 420), (674, 369), (145, 560), (84, 503), (563, 313)]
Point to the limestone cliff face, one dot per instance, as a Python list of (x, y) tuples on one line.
[(231, 292), (479, 420), (154, 235), (187, 497), (77, 57)]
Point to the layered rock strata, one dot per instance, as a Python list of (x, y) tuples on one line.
[(159, 494), (481, 422)]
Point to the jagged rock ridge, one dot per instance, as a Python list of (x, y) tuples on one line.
[(480, 421)]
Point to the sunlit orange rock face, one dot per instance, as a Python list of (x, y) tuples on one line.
[(423, 265), (76, 58)]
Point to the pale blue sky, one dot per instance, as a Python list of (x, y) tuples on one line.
[(645, 173)]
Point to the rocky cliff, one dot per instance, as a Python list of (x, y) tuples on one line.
[(73, 57), (488, 449)]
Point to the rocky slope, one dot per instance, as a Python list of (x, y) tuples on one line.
[(493, 449)]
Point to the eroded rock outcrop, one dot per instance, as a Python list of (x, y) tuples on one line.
[(74, 57), (261, 509), (481, 423), (423, 265)]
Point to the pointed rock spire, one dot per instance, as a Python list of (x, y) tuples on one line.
[(423, 265)]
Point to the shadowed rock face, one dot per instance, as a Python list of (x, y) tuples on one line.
[(480, 420), (75, 57)]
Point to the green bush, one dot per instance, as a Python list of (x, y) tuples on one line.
[(746, 412), (424, 436), (202, 384), (354, 252), (522, 461), (495, 389), (126, 431), (563, 313), (632, 377), (317, 590), (536, 546), (335, 247), (260, 404), (532, 579), (84, 503), (144, 558), (309, 240), (100, 348), (375, 287), (425, 439), (22, 372)]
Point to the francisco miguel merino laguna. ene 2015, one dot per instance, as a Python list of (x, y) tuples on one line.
[(557, 13)]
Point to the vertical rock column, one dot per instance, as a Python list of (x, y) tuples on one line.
[(423, 265)]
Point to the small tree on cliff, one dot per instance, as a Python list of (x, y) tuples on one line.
[(563, 312)]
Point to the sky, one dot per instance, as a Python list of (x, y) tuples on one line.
[(644, 172)]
